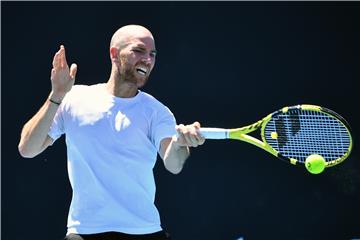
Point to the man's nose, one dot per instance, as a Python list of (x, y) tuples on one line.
[(147, 59)]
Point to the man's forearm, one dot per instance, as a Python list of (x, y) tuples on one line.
[(175, 157), (34, 132)]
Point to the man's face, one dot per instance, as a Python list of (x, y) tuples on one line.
[(137, 60)]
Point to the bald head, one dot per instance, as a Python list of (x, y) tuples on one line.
[(124, 34)]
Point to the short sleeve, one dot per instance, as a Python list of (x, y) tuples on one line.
[(163, 126), (57, 126)]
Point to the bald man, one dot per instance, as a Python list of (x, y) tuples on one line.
[(113, 134)]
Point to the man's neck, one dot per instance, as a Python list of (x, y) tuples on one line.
[(121, 89)]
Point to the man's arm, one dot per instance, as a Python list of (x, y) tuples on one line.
[(34, 136), (174, 151)]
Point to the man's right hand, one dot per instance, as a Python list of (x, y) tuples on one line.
[(62, 78)]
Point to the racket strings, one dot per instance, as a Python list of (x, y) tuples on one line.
[(301, 133)]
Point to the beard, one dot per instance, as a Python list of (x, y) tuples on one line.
[(128, 74)]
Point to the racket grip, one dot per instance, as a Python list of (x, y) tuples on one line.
[(214, 133)]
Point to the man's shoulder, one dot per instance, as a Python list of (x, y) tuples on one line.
[(150, 99), (82, 91), (84, 87), (154, 104)]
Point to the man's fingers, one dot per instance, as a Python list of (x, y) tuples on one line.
[(196, 125), (73, 70), (63, 62), (199, 139), (190, 140), (53, 71), (190, 135), (56, 60), (59, 58)]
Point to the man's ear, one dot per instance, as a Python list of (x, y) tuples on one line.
[(114, 54)]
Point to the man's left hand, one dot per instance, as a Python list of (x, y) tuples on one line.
[(189, 135)]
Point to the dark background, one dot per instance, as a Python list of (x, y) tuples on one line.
[(223, 64)]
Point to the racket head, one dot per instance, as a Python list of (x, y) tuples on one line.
[(297, 132)]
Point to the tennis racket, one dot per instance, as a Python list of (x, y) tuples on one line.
[(294, 133)]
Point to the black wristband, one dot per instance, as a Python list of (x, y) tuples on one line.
[(57, 103)]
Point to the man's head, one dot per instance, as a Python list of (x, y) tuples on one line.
[(132, 53)]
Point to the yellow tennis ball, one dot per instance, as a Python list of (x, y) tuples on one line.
[(274, 135), (315, 163)]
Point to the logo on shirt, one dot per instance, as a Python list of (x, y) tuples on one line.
[(121, 121)]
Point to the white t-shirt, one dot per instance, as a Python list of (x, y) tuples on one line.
[(112, 146)]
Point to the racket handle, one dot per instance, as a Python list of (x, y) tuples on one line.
[(215, 133)]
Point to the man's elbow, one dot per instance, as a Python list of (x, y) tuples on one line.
[(174, 169), (25, 153)]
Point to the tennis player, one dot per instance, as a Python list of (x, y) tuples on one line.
[(113, 134)]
